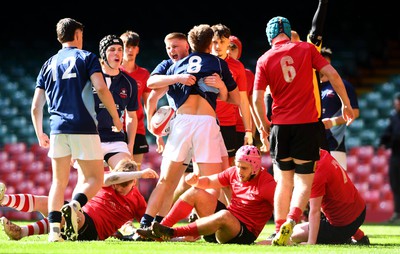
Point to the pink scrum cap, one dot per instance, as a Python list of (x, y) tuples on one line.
[(249, 154)]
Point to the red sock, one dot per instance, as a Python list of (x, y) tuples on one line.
[(179, 211), (295, 213), (39, 228), (20, 202), (358, 235), (278, 224), (188, 230)]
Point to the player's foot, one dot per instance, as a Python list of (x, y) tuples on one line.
[(12, 230), (192, 217), (135, 237), (55, 237), (69, 212), (146, 233), (284, 234), (161, 231), (2, 191), (127, 229), (363, 241), (271, 236)]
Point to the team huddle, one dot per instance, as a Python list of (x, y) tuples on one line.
[(221, 117)]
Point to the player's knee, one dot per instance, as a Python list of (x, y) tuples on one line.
[(285, 165), (305, 168)]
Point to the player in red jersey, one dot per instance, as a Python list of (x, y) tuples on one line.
[(117, 201), (235, 52), (333, 195), (287, 68), (226, 112), (241, 222), (131, 42)]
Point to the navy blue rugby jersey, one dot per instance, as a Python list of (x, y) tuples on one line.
[(161, 68), (125, 93), (65, 77), (200, 65)]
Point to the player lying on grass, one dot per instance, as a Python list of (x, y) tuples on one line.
[(337, 210), (241, 222), (117, 202)]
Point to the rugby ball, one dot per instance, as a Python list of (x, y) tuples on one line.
[(161, 119)]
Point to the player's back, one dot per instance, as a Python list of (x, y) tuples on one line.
[(200, 65), (65, 78), (288, 69)]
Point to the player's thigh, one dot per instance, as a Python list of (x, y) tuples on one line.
[(229, 229)]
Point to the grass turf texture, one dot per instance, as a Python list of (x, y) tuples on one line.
[(384, 238)]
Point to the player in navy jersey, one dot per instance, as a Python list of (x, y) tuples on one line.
[(335, 126), (64, 82), (116, 146), (195, 115)]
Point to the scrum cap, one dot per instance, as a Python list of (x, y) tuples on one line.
[(106, 42), (249, 154), (277, 26), (235, 40)]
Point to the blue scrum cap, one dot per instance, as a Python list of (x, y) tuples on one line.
[(277, 26)]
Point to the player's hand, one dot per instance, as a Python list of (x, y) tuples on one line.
[(187, 79), (44, 140), (214, 81), (160, 144), (348, 114), (192, 179), (248, 138), (149, 173), (117, 125)]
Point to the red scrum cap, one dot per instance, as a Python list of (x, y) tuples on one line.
[(235, 40)]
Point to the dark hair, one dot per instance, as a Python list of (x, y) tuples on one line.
[(130, 38), (221, 30), (66, 28)]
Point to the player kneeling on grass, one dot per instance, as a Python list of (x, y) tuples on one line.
[(241, 222), (337, 210), (117, 202)]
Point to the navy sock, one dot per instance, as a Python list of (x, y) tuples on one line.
[(146, 221)]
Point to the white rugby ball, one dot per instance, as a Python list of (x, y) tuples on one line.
[(161, 119)]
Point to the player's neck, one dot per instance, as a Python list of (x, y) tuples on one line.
[(129, 66)]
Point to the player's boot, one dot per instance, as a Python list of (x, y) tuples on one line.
[(284, 234), (69, 212)]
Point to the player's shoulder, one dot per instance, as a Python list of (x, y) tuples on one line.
[(143, 70), (128, 78)]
